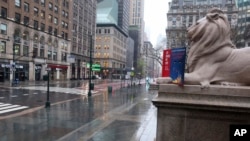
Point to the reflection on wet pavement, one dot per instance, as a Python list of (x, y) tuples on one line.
[(123, 115)]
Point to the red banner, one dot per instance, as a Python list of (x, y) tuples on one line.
[(166, 63)]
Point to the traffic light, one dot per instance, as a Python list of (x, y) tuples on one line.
[(34, 54)]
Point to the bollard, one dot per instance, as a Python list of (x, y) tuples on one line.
[(109, 89), (92, 85)]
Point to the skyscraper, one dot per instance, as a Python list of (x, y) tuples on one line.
[(123, 15), (136, 18)]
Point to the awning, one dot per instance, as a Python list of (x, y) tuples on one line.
[(53, 66)]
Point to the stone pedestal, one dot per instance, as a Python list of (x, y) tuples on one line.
[(194, 114)]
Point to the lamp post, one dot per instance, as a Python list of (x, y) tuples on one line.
[(16, 40), (90, 65), (47, 104)]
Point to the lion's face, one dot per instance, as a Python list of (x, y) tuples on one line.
[(201, 28)]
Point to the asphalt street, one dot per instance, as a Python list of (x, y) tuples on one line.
[(125, 114)]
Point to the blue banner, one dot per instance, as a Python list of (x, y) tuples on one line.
[(177, 67)]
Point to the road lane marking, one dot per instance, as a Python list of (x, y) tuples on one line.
[(25, 94), (13, 96)]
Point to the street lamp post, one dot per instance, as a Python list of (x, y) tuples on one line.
[(47, 104), (90, 65)]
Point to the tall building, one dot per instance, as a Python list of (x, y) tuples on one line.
[(134, 33), (184, 13), (83, 24), (243, 26), (34, 36), (110, 48), (123, 15), (137, 18)]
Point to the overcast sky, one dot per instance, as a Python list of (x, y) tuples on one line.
[(155, 19)]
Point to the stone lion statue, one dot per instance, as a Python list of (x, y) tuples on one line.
[(213, 57)]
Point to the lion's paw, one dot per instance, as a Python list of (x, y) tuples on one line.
[(205, 84)]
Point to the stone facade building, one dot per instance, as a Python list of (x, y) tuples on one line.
[(110, 50), (83, 17), (37, 33), (184, 13)]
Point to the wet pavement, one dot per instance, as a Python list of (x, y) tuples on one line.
[(126, 114)]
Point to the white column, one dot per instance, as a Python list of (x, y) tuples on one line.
[(57, 74), (11, 72), (68, 72), (31, 71)]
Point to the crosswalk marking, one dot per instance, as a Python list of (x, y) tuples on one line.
[(3, 105), (10, 110), (7, 107)]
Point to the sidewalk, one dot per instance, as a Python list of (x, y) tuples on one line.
[(125, 115), (7, 84)]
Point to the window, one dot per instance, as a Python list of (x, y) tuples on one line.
[(64, 57), (63, 13), (17, 18), (35, 24), (54, 56), (36, 1), (62, 34), (55, 32), (66, 36), (42, 27), (43, 2), (3, 28), (50, 30), (63, 24), (3, 12), (55, 20), (17, 49), (50, 18), (56, 9), (43, 14), (26, 7), (35, 11), (2, 47), (41, 52), (26, 20), (18, 3), (50, 6), (66, 14), (25, 50), (49, 55)]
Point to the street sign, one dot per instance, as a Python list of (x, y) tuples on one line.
[(95, 67)]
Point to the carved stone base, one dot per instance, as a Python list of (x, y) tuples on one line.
[(192, 114)]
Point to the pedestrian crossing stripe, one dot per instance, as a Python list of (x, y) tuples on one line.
[(6, 107)]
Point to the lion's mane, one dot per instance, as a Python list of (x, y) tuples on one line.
[(207, 36)]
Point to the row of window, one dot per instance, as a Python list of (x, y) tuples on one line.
[(65, 3), (52, 55)]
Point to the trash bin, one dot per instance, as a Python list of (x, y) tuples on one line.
[(109, 89), (45, 77), (92, 85)]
